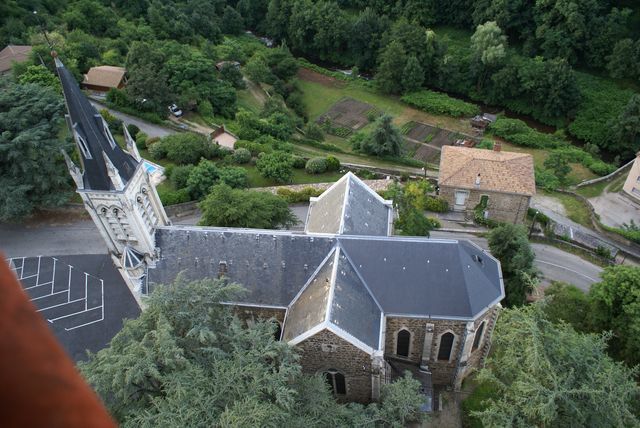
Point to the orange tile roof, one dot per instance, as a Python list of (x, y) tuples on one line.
[(507, 172), (11, 53), (104, 75)]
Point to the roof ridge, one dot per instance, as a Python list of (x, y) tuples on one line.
[(360, 277)]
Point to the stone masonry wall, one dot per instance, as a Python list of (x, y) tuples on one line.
[(325, 351), (476, 356), (501, 206), (250, 313)]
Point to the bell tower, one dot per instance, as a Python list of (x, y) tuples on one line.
[(114, 186)]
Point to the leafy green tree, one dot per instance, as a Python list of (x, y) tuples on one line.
[(257, 69), (489, 44), (232, 22), (201, 178), (187, 148), (410, 202), (277, 166), (231, 73), (509, 244), (624, 60), (282, 64), (412, 75), (313, 131), (147, 84), (566, 302), (625, 138), (235, 177), (558, 162), (40, 75), (616, 307), (365, 37), (546, 374), (32, 171), (227, 207), (384, 140), (90, 16), (392, 61)]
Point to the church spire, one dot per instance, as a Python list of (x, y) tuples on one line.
[(96, 145)]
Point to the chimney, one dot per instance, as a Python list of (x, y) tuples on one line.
[(497, 147), (478, 180)]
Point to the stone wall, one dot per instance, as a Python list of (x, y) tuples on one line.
[(442, 372), (251, 314), (503, 207), (325, 351)]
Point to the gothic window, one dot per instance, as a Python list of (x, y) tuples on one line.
[(478, 337), (403, 343), (107, 134), (83, 147), (278, 331), (446, 345), (336, 382)]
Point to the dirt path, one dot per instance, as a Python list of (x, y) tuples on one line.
[(315, 77)]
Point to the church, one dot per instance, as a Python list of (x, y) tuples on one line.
[(355, 300)]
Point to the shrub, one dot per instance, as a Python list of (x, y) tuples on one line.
[(434, 223), (241, 155), (234, 176), (313, 132), (299, 162), (277, 166), (172, 197), (201, 178), (254, 148), (205, 108), (485, 144), (179, 175), (316, 166), (436, 205), (188, 148), (157, 150), (141, 140), (333, 163), (436, 102), (546, 179), (133, 129), (303, 195)]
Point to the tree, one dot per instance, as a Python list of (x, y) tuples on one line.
[(257, 69), (566, 302), (616, 307), (410, 202), (32, 171), (558, 162), (384, 140), (40, 75), (313, 131), (509, 244), (412, 75), (392, 61), (231, 73), (546, 374), (201, 178), (235, 177), (227, 207), (232, 22), (277, 166), (489, 44), (187, 148), (626, 130), (623, 61)]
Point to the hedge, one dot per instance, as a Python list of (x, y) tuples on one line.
[(316, 166), (436, 205), (173, 197), (439, 103), (303, 195)]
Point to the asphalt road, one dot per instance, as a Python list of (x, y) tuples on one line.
[(82, 237), (151, 129), (553, 263)]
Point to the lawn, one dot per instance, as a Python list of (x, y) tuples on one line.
[(318, 98), (575, 208), (594, 190)]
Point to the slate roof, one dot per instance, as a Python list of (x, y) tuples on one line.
[(87, 122), (350, 207), (373, 275), (104, 75), (13, 53), (500, 171)]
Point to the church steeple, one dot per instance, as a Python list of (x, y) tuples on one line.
[(93, 138)]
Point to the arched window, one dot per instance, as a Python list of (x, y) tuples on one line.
[(278, 331), (336, 382), (446, 344), (478, 338), (403, 343)]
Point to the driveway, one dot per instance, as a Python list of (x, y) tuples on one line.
[(151, 129), (615, 209)]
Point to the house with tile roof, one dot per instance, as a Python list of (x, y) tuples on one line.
[(104, 77), (499, 183), (11, 54), (359, 304)]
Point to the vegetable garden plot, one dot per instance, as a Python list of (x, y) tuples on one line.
[(346, 116)]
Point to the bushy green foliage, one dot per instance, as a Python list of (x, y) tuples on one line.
[(566, 302), (485, 144), (254, 148), (410, 201), (233, 176), (316, 166), (173, 197), (435, 204), (227, 207), (113, 122), (547, 374), (509, 244), (439, 103), (277, 166), (333, 163), (179, 175), (299, 162), (384, 140), (141, 140), (241, 155), (183, 148), (314, 132), (32, 171), (303, 195), (39, 75), (201, 178)]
